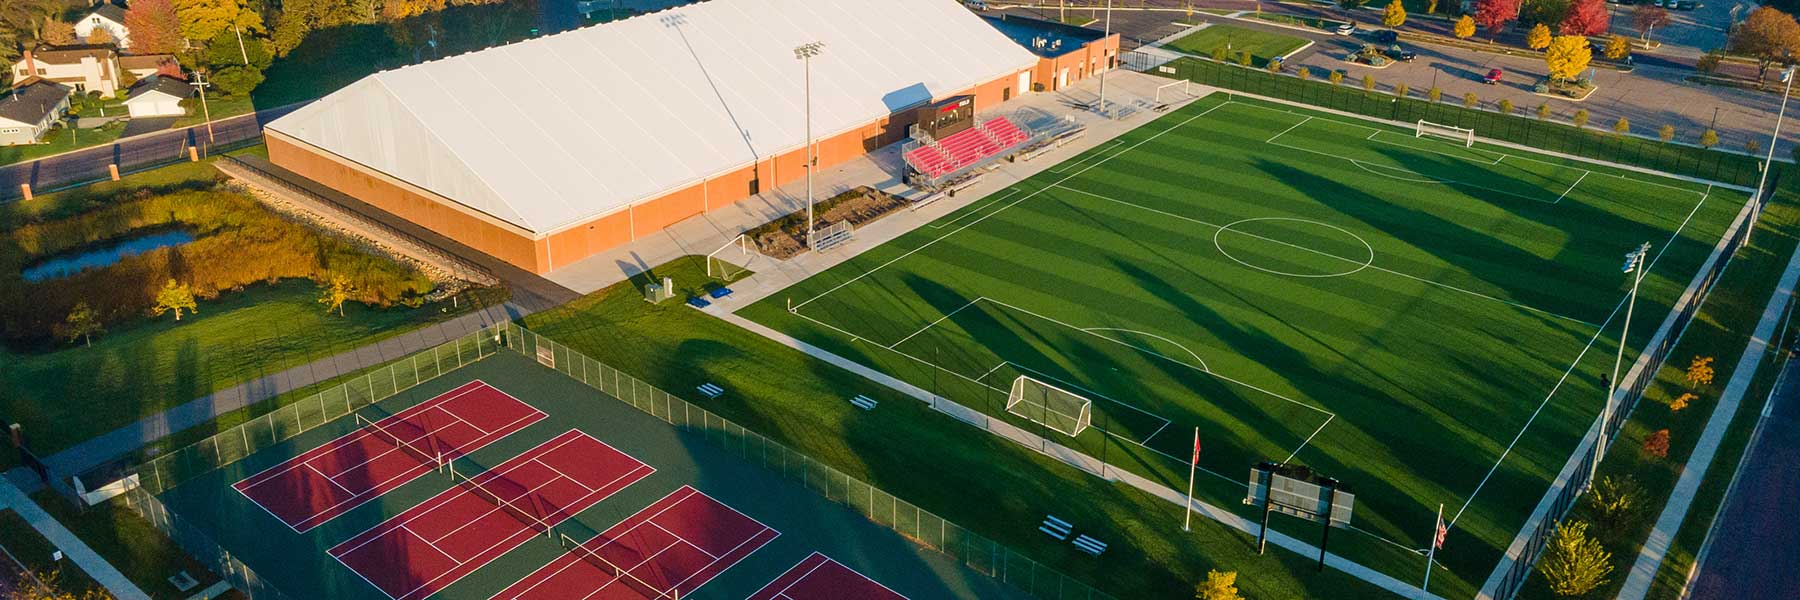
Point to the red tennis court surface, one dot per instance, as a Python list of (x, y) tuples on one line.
[(821, 578), (430, 546), (327, 481), (675, 545)]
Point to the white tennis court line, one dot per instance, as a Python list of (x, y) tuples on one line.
[(362, 432), (1515, 304), (782, 593)]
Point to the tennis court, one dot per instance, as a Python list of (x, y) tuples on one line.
[(327, 481), (821, 578), (564, 492)]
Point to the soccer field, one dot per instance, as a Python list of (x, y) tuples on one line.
[(1425, 321)]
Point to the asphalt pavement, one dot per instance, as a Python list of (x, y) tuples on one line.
[(132, 154), (1755, 541)]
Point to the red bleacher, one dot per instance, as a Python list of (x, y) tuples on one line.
[(966, 147)]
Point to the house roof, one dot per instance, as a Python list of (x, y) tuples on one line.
[(30, 101), (110, 11), (555, 131), (168, 86), (135, 62), (65, 55)]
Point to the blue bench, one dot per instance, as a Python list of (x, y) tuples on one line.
[(1089, 545), (698, 302), (710, 390), (719, 292), (863, 402), (1056, 528)]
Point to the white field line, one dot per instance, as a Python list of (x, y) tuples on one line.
[(1565, 377), (1421, 177), (1098, 151), (1447, 286), (1498, 156), (1272, 139), (1578, 181), (935, 322)]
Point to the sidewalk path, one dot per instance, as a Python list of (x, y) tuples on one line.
[(71, 546), (1656, 547)]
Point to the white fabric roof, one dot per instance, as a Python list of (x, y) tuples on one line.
[(554, 131)]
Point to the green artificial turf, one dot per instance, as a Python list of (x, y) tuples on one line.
[(1263, 45), (1425, 321)]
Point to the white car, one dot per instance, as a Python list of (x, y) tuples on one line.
[(1345, 29)]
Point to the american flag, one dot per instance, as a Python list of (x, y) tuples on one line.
[(1443, 529)]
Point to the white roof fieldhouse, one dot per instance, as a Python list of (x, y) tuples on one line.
[(554, 131)]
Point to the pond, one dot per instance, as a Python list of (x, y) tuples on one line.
[(100, 256)]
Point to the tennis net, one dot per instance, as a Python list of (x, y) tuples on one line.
[(619, 574), (526, 515), (435, 459)]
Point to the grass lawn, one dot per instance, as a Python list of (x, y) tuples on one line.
[(30, 548), (1313, 22), (144, 366), (59, 140), (221, 106), (1425, 321), (1262, 45), (129, 543), (921, 455)]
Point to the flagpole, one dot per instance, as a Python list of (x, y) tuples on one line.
[(1193, 465), (1431, 554)]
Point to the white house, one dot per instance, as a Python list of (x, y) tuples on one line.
[(27, 111), (87, 67), (107, 16), (158, 96)]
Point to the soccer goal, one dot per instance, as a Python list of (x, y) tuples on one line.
[(1174, 92), (1466, 136), (1050, 406), (731, 260)]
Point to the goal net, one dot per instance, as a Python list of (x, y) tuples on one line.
[(1050, 406), (1427, 128), (731, 260)]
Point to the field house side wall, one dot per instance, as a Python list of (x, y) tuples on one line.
[(1082, 63), (406, 201)]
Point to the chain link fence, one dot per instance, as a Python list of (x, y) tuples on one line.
[(1351, 96), (171, 469)]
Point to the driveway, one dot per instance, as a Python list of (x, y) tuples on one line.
[(142, 126)]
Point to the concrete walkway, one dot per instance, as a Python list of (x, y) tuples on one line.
[(125, 440), (72, 547), (1656, 547)]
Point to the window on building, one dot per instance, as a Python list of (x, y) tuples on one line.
[(1005, 94)]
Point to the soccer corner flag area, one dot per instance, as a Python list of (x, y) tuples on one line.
[(1420, 316)]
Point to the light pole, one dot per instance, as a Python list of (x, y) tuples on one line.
[(1635, 267), (805, 52), (1104, 61), (1787, 76)]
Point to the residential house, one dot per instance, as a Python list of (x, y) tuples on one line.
[(27, 111), (158, 96), (107, 16), (87, 67)]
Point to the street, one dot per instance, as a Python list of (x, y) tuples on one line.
[(131, 154)]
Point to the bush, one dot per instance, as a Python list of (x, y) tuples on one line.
[(1574, 563), (1615, 500), (1657, 445)]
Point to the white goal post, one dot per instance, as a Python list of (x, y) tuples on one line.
[(1184, 86), (1466, 136), (1050, 406), (731, 260)]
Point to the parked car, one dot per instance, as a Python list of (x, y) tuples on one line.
[(1401, 54), (1384, 36), (976, 4), (1493, 77), (1687, 5), (1346, 29)]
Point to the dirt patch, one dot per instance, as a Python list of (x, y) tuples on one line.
[(785, 237)]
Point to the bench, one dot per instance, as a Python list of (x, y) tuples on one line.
[(710, 390), (698, 302), (1089, 545), (863, 402), (719, 292), (1056, 528)]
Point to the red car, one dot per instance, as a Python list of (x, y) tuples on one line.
[(1493, 77)]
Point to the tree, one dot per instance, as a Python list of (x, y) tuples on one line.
[(1622, 126), (1550, 12), (1709, 138), (1709, 62), (1568, 56), (1682, 401), (1336, 77), (1303, 73), (1218, 586), (154, 27), (1218, 53), (1273, 66), (1614, 499), (1580, 119), (99, 35), (1538, 38), (1657, 445), (1368, 83), (174, 297), (24, 20), (223, 51), (1575, 564), (1666, 134), (334, 292), (1505, 106), (237, 81), (1647, 17), (1586, 17), (1434, 94), (1470, 100), (1401, 89), (1752, 146), (1699, 371), (1767, 35), (1431, 7), (394, 10), (59, 32), (1351, 4), (1394, 15), (52, 590), (1617, 47), (83, 323), (1464, 28), (1244, 58), (1493, 15), (1543, 111)]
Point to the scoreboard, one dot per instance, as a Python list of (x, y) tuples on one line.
[(947, 117)]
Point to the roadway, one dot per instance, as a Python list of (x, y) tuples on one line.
[(132, 154), (1755, 541)]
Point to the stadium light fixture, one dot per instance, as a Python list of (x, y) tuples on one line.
[(805, 53), (1635, 267)]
